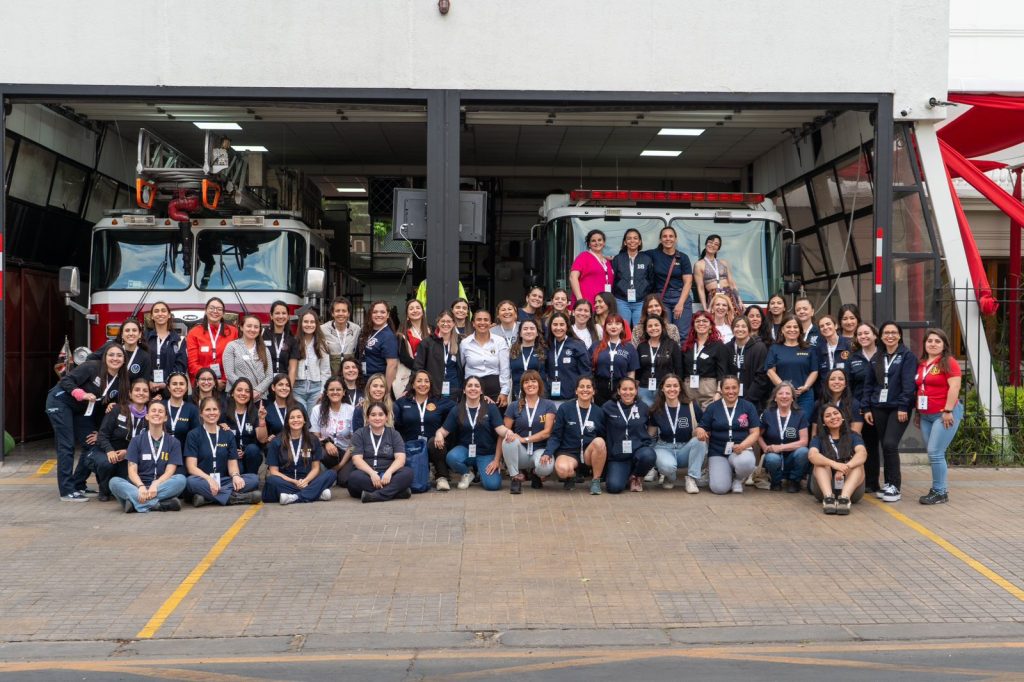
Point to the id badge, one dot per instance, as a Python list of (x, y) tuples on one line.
[(728, 448), (627, 447), (216, 370), (741, 390), (922, 402), (840, 365), (529, 448), (883, 396), (588, 426), (694, 381), (556, 388), (158, 376), (566, 361), (92, 406), (631, 295), (838, 480), (472, 449), (607, 288), (446, 388), (364, 369), (652, 384)]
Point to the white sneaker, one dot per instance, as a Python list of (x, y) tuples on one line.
[(326, 494), (892, 494), (443, 485), (737, 486), (750, 480), (651, 475), (691, 486), (885, 490), (465, 481), (667, 483), (288, 498)]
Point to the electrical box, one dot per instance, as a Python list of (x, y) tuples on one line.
[(410, 215)]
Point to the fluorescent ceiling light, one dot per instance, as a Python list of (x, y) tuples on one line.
[(350, 190), (660, 152), (216, 125), (249, 148), (693, 132)]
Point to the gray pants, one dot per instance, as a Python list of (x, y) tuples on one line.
[(517, 458), (722, 471)]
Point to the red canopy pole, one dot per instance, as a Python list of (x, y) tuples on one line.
[(1015, 288)]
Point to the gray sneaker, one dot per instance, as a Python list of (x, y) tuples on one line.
[(595, 487), (76, 496)]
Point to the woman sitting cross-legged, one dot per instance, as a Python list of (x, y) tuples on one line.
[(528, 421), (211, 458), (294, 473), (730, 427), (838, 455), (378, 453), (476, 426), (783, 440), (154, 458)]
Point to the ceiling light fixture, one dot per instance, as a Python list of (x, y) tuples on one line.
[(350, 190), (216, 125), (249, 148), (690, 132), (660, 152)]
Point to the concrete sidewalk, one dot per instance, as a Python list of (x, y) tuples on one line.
[(544, 569)]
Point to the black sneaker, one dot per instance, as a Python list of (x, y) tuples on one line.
[(74, 497), (199, 501), (128, 506), (367, 496), (535, 482), (516, 487), (829, 505), (103, 497), (934, 497), (569, 483), (842, 506), (171, 505), (776, 486), (88, 491), (792, 486), (404, 495)]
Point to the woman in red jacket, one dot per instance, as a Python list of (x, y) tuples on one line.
[(206, 341)]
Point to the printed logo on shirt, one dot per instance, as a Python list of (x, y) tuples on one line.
[(431, 407), (371, 342), (743, 421), (135, 368), (802, 354), (844, 355), (96, 381), (790, 433)]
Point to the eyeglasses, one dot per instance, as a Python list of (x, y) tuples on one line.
[(215, 310)]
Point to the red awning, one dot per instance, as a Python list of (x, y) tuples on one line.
[(993, 123)]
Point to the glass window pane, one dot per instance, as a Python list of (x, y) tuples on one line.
[(798, 207), (915, 280), (128, 260), (33, 173), (101, 198), (855, 183), (125, 199), (864, 239), (838, 247), (8, 152), (826, 194), (68, 187), (250, 260), (909, 232), (903, 174), (813, 258)]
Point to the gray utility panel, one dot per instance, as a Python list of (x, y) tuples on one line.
[(410, 215)]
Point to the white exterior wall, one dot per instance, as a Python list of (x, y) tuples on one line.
[(986, 41), (894, 46)]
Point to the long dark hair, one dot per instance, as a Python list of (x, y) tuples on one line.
[(800, 340), (121, 380), (290, 401), (410, 390), (713, 335), (660, 400), (569, 333), (319, 342), (261, 348), (307, 442), (204, 321), (591, 325), (230, 404), (124, 408), (845, 402), (274, 306), (539, 345), (360, 379), (622, 249), (325, 403), (844, 446), (704, 251), (530, 375), (214, 393), (764, 333), (367, 331), (946, 357), (876, 360), (142, 333), (464, 404)]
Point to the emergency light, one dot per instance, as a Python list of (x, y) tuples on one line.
[(680, 197)]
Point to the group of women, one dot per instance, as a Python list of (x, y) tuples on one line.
[(615, 379)]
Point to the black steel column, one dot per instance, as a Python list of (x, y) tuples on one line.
[(3, 289), (442, 200), (885, 301)]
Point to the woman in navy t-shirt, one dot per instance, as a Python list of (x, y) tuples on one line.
[(784, 436), (476, 425), (730, 427), (837, 455), (793, 359)]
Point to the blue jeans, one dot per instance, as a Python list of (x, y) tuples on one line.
[(630, 311), (647, 396), (124, 489), (459, 461), (307, 393), (197, 485), (806, 403), (791, 465), (69, 431), (683, 321), (617, 473), (273, 486), (938, 438), (674, 456)]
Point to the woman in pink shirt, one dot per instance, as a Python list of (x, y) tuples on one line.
[(591, 272)]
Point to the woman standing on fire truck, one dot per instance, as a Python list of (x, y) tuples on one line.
[(207, 340)]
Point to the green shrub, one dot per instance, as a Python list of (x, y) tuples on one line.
[(1013, 408), (974, 439)]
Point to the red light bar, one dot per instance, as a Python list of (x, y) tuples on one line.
[(682, 197)]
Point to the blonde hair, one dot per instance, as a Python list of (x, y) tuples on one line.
[(725, 297), (388, 402)]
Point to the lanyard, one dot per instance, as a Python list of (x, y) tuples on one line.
[(472, 418), (741, 352), (132, 358), (654, 352), (355, 394), (807, 333), (296, 451), (240, 423), (423, 415), (922, 376), (632, 410), (213, 447), (175, 415), (583, 420), (213, 339), (674, 421), (159, 344), (558, 353), (632, 268), (136, 422), (835, 446), (530, 415), (158, 447), (612, 350), (527, 358), (714, 266), (887, 361), (109, 384), (281, 412), (783, 424), (604, 266), (278, 345), (831, 354), (376, 446), (729, 415), (340, 336), (696, 354)]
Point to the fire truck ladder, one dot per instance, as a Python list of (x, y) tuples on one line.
[(219, 181)]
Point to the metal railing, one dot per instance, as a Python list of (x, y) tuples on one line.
[(986, 438)]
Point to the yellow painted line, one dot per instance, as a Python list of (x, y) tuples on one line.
[(952, 549), (168, 607), (46, 467)]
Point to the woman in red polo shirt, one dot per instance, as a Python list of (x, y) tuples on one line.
[(206, 341), (938, 407)]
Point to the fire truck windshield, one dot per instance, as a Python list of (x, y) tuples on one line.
[(251, 260), (126, 260)]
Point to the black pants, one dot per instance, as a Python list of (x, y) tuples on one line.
[(605, 389), (872, 466), (439, 458), (890, 433), (104, 470), (491, 386), (359, 481)]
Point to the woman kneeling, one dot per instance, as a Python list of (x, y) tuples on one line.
[(154, 457), (838, 455)]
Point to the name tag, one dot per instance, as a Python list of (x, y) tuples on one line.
[(158, 376), (840, 365), (216, 370), (703, 356), (922, 402), (588, 425), (204, 349), (122, 418), (147, 457), (627, 447), (728, 448), (608, 288), (566, 361), (446, 388), (694, 381), (652, 384), (883, 395), (247, 357), (472, 450), (556, 388), (631, 295), (838, 480), (268, 344)]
